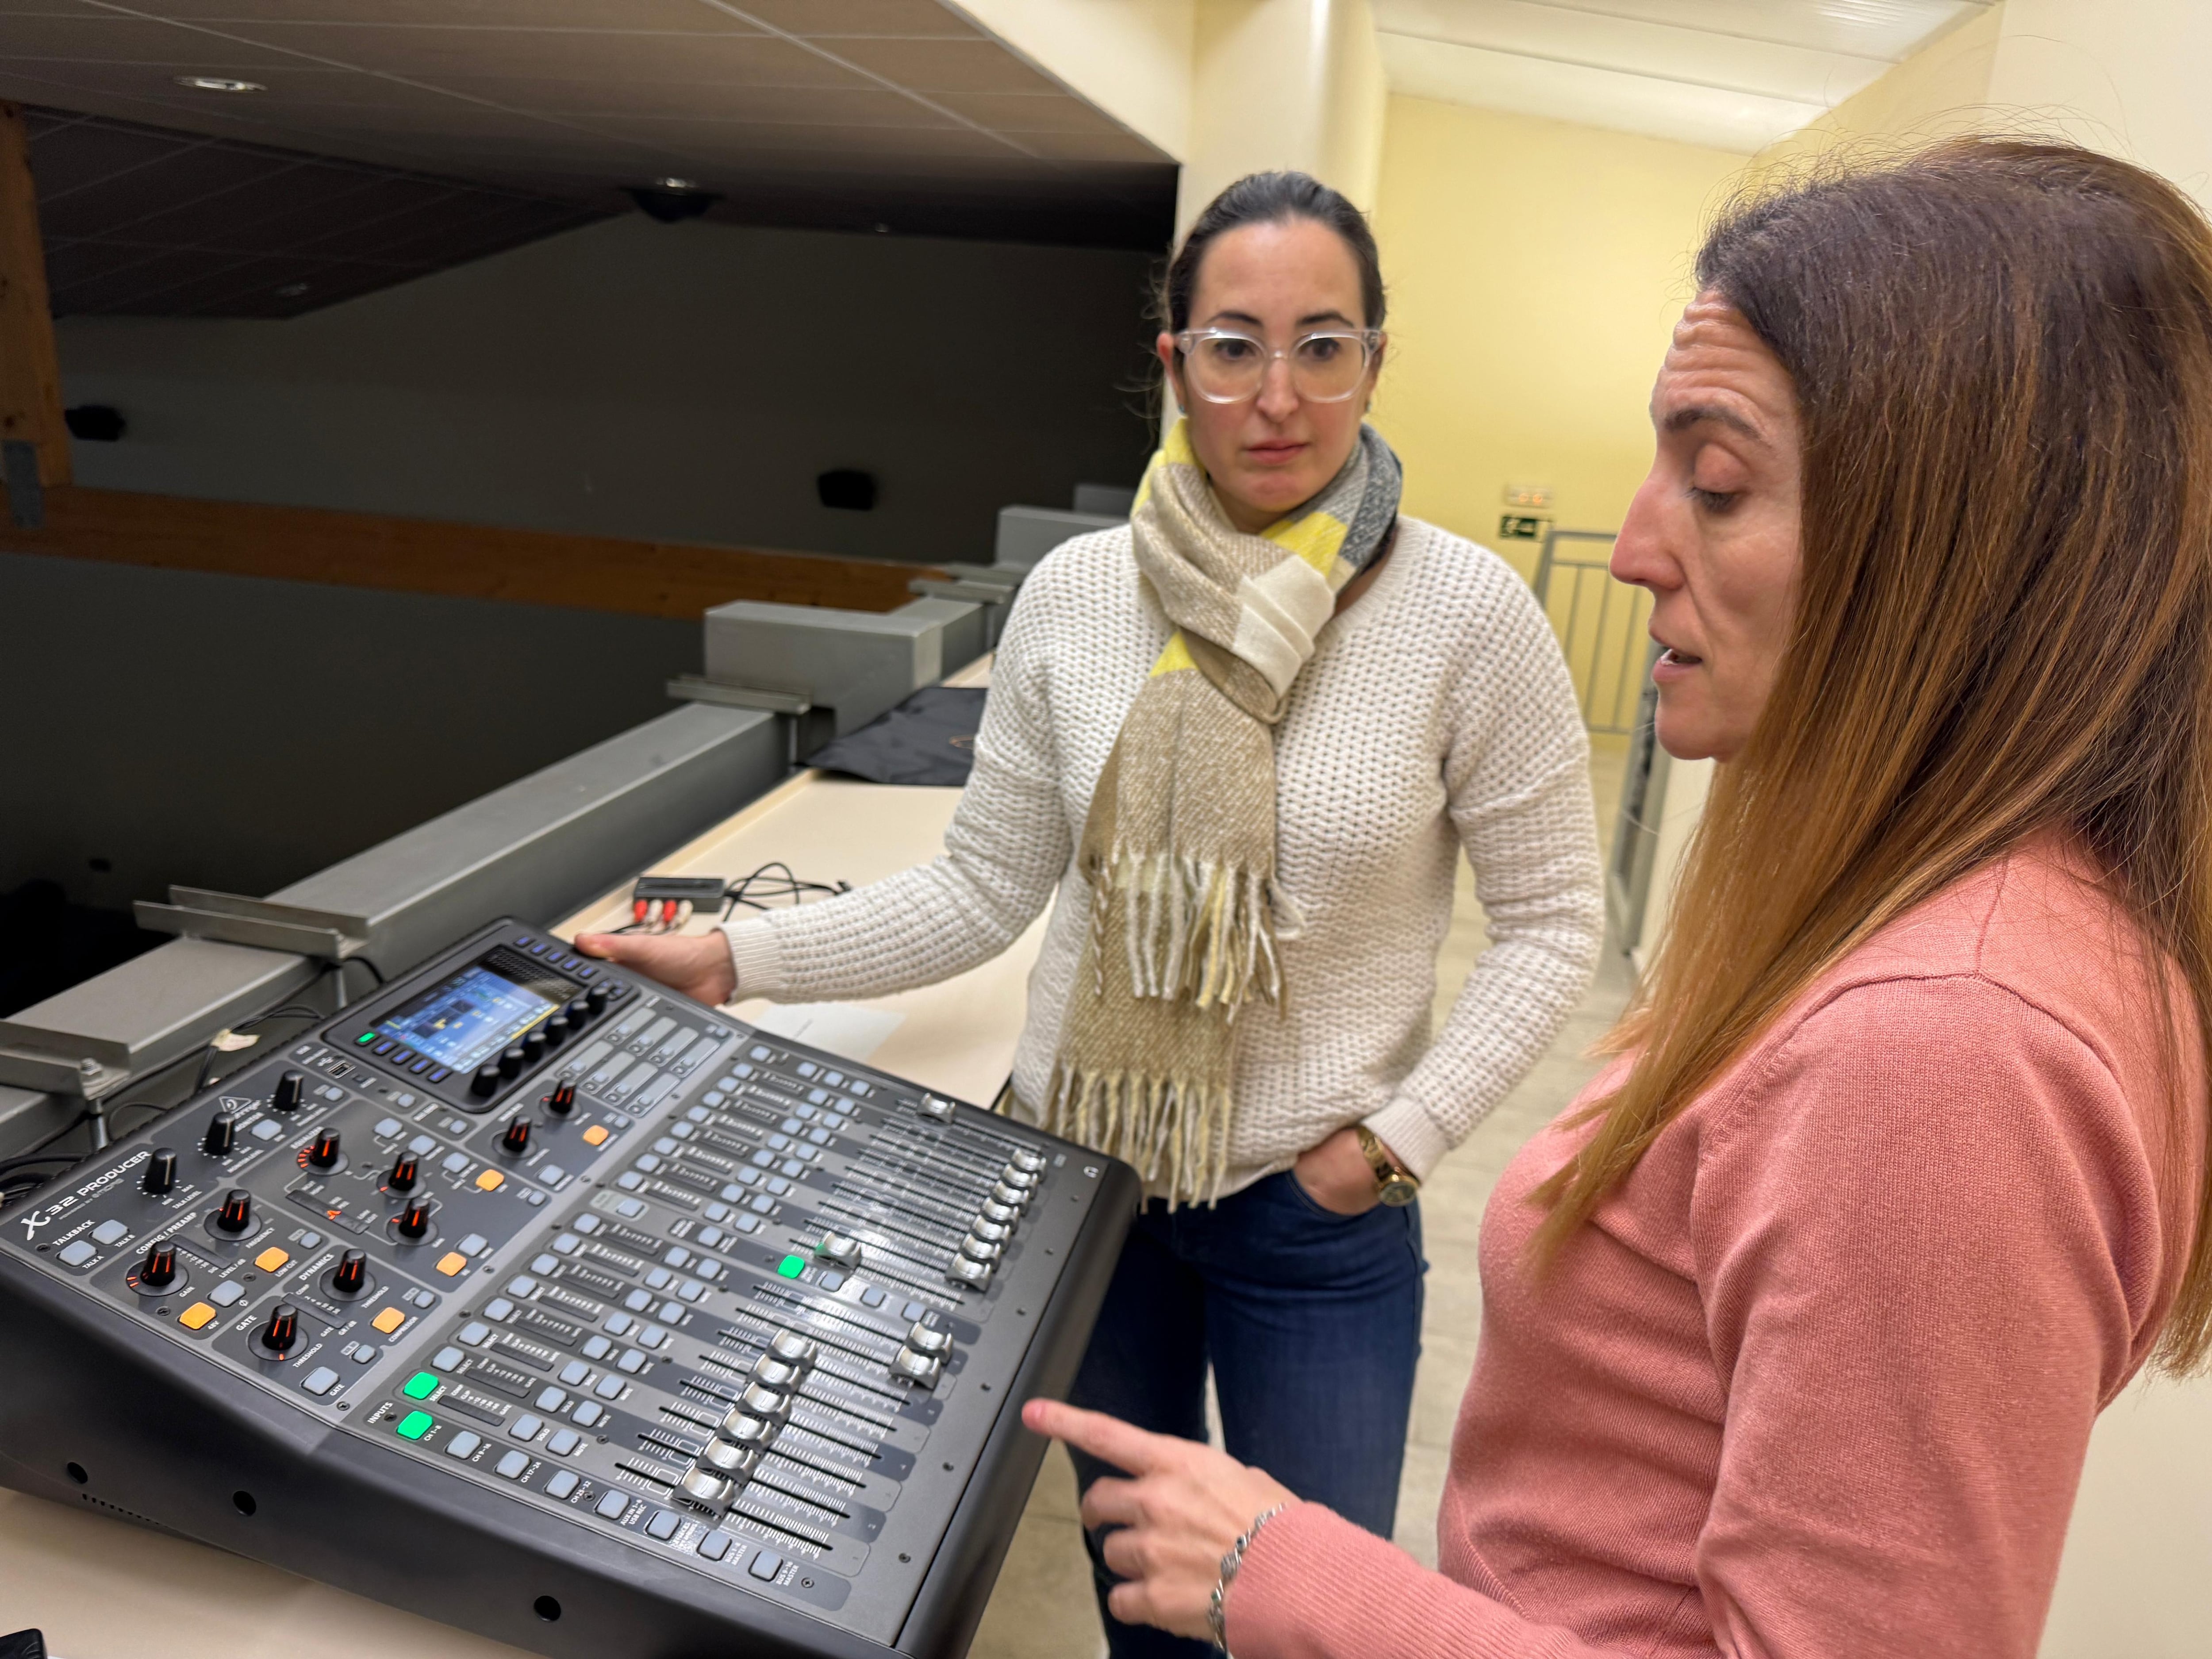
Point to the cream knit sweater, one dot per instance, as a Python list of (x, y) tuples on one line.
[(1435, 714)]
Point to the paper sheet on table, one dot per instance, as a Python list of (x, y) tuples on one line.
[(844, 1029)]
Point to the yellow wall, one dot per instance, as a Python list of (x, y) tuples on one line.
[(1942, 89), (1535, 269)]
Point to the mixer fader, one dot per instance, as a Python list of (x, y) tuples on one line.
[(557, 1306)]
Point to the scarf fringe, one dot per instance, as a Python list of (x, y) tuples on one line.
[(1173, 1130), (1192, 930)]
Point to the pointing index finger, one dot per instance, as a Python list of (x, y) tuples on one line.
[(1108, 1438)]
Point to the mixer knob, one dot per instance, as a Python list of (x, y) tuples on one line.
[(995, 1233), (1012, 1197), (159, 1270), (236, 1216), (288, 1090), (794, 1349), (931, 1106), (486, 1081), (927, 1338), (221, 1135), (323, 1154), (705, 1487), (1033, 1163), (772, 1372), (973, 1274), (747, 1433), (840, 1248), (580, 1012), (764, 1402), (510, 1059), (532, 1046), (562, 1099), (1005, 1214), (596, 1000), (733, 1462), (920, 1369), (979, 1249), (351, 1276), (415, 1220), (161, 1171), (516, 1141), (405, 1171), (281, 1334), (555, 1028)]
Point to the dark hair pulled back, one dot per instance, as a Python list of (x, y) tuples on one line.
[(1273, 199)]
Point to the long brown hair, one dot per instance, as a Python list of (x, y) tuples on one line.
[(2002, 357)]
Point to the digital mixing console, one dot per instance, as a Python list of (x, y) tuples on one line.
[(552, 1305)]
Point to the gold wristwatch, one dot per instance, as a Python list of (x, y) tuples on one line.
[(1393, 1185)]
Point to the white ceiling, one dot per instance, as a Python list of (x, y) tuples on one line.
[(1735, 75)]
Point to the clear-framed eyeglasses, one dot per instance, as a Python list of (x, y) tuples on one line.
[(1226, 366)]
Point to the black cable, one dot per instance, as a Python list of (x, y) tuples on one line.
[(790, 889), (375, 972)]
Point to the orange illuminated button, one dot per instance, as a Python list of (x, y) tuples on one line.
[(272, 1259), (195, 1316), (595, 1136), (453, 1262), (389, 1320), (490, 1180)]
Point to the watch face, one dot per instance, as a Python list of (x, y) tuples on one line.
[(1398, 1190)]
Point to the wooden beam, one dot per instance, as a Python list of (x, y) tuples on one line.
[(30, 374), (421, 555)]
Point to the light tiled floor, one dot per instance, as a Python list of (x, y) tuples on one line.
[(1042, 1607)]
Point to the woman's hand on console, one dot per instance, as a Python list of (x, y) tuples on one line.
[(1173, 1523), (1336, 1175), (696, 965)]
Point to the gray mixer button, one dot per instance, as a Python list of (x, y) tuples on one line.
[(463, 1444), (226, 1293), (653, 1337), (110, 1232), (873, 1297), (474, 1333), (671, 1311), (386, 1127), (585, 1223), (446, 1358), (475, 1243), (361, 1352), (632, 1361), (677, 1256), (597, 1347), (267, 1129), (612, 1505), (574, 1372), (691, 1290), (608, 1388), (564, 1482), (630, 1208), (662, 1525), (550, 1400), (659, 1279), (454, 1163), (638, 1301), (512, 1464), (521, 1285), (630, 1180), (765, 1566), (525, 1427), (498, 1308), (562, 1442), (76, 1255), (715, 1545), (543, 1264), (585, 1415), (619, 1324), (421, 1144), (321, 1381)]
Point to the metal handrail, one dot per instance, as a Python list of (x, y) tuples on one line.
[(1617, 715)]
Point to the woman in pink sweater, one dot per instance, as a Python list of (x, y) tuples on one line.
[(1795, 1324)]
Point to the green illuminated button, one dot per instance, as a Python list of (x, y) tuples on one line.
[(415, 1425), (366, 1036), (792, 1266), (421, 1386)]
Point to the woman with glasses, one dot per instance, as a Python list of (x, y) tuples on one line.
[(1245, 741)]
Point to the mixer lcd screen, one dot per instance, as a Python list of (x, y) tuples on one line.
[(469, 1017)]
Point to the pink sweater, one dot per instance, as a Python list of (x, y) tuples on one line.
[(1818, 1379)]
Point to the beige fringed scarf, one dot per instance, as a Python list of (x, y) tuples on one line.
[(1179, 849)]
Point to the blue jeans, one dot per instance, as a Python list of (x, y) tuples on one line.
[(1311, 1322)]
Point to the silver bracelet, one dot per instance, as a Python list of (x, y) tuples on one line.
[(1216, 1609)]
